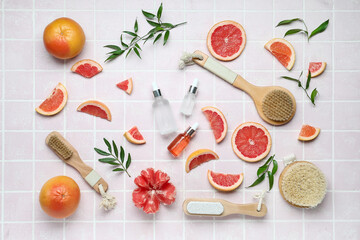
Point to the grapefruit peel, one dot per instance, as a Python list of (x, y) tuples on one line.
[(95, 108), (283, 51), (86, 68), (51, 105), (217, 122), (316, 68), (126, 85), (229, 181), (308, 133), (199, 157), (134, 136)]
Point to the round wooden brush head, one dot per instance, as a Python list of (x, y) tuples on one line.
[(278, 106), (302, 184)]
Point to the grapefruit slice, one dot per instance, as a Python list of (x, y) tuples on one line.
[(55, 102), (226, 40), (251, 141), (283, 51), (198, 157), (308, 133), (95, 108), (317, 68), (217, 122), (134, 136), (225, 182), (126, 85), (87, 68)]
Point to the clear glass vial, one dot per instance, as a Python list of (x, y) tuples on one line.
[(188, 102), (164, 117)]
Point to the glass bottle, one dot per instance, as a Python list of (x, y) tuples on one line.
[(188, 102), (182, 140)]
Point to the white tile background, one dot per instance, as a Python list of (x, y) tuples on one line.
[(28, 73)]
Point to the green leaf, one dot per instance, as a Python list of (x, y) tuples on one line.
[(257, 181), (122, 43), (308, 80), (148, 15), (130, 33), (118, 170), (157, 38), (293, 31), (313, 95), (111, 57), (137, 45), (137, 52), (150, 36), (122, 154), (136, 26), (168, 25), (107, 144), (166, 36), (269, 160), (285, 22), (275, 167), (271, 180), (320, 28), (289, 78), (159, 12), (113, 47), (115, 149), (128, 52), (109, 161), (101, 152), (261, 170), (154, 24), (117, 52), (128, 162)]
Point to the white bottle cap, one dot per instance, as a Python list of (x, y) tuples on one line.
[(156, 90), (195, 126), (155, 86), (195, 82)]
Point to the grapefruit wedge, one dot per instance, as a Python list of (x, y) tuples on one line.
[(87, 68), (55, 102), (126, 85), (251, 141), (226, 40), (95, 108), (316, 68), (217, 122), (225, 182), (198, 157), (283, 51), (308, 133), (134, 136)]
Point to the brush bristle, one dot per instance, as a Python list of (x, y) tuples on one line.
[(60, 147), (278, 106)]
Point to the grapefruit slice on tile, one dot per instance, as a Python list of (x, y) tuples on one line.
[(87, 68), (55, 102), (225, 182), (217, 122), (308, 133), (126, 85), (226, 40), (199, 157), (95, 108), (134, 136), (316, 68), (251, 141), (283, 51)]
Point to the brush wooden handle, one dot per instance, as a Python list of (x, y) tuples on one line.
[(249, 209)]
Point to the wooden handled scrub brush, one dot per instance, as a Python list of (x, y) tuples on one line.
[(66, 152), (275, 105)]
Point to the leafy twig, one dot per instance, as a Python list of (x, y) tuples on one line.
[(264, 170), (318, 30), (159, 29), (112, 158), (314, 92)]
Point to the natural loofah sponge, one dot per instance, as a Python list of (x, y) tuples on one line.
[(302, 184)]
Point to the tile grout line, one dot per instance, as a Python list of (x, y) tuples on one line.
[(64, 165), (274, 145), (244, 114), (124, 127), (95, 132), (154, 145), (333, 121), (184, 121), (214, 103), (3, 121), (303, 120), (33, 123)]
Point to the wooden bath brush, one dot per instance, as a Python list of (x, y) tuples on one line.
[(302, 184), (275, 105), (66, 152)]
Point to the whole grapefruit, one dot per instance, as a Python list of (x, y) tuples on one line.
[(60, 197), (64, 38)]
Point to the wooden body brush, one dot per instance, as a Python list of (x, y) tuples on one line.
[(70, 156), (220, 208), (275, 105)]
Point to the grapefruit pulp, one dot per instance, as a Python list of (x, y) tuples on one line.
[(126, 85), (87, 68), (226, 40), (55, 102), (134, 136), (283, 51), (199, 157), (308, 133), (217, 122), (95, 108), (225, 182), (251, 141), (316, 68)]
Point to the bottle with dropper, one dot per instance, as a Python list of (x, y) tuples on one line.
[(188, 102), (164, 117), (182, 140)]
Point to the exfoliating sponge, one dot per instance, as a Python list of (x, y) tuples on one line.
[(302, 184)]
